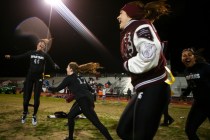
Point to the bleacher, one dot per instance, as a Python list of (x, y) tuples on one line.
[(117, 83)]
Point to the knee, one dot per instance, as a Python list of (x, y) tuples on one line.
[(70, 117), (36, 103), (25, 102)]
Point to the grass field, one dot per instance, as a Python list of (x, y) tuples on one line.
[(108, 111)]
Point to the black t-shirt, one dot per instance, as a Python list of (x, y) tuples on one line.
[(37, 61), (198, 79), (77, 85)]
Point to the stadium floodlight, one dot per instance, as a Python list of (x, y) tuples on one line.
[(73, 21), (52, 2)]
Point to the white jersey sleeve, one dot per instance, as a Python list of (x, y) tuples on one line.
[(148, 48)]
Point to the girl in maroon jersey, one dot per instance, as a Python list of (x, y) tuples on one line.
[(145, 63)]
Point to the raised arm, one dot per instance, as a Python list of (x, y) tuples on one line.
[(55, 66)]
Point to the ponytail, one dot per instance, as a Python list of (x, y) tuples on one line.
[(88, 68)]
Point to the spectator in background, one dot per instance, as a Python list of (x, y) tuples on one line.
[(128, 94), (53, 82), (104, 93), (94, 93)]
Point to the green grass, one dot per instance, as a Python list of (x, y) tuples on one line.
[(55, 129)]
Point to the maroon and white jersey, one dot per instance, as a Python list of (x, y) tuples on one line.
[(142, 54)]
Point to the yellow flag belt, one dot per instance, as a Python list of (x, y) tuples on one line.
[(172, 79)]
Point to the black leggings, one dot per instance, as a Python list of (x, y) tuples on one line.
[(32, 81), (85, 106), (141, 117), (197, 115)]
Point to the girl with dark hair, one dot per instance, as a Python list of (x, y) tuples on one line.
[(197, 74), (144, 61), (83, 96)]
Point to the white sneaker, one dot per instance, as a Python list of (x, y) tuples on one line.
[(34, 120), (81, 117), (23, 119)]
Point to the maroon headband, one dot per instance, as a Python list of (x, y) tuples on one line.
[(133, 11)]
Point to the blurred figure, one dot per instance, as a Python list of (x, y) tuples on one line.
[(128, 94), (104, 93)]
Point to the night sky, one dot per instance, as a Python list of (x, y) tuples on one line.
[(186, 26)]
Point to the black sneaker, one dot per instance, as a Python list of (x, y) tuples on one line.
[(170, 121), (34, 120), (163, 124), (23, 119)]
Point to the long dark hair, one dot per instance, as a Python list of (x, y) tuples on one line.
[(152, 10), (155, 9), (88, 68), (197, 53)]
